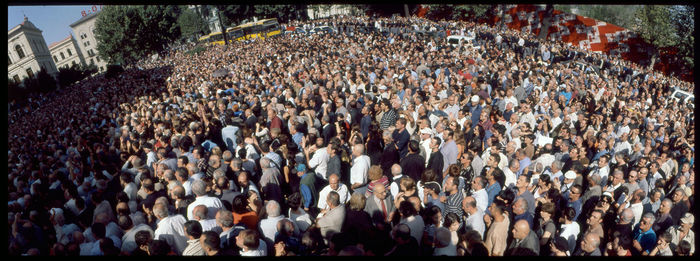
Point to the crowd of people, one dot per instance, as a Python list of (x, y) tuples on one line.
[(373, 140)]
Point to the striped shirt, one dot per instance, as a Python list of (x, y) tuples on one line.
[(388, 119)]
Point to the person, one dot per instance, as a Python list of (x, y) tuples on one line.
[(334, 185), (170, 229), (380, 205), (545, 228), (296, 213), (475, 217), (525, 241), (497, 222), (479, 193), (250, 243), (414, 163), (644, 237), (213, 204), (401, 137), (436, 162), (452, 197), (589, 246), (210, 243), (331, 221), (307, 187), (360, 168), (569, 229), (193, 231), (619, 246), (520, 212), (683, 233), (405, 244), (268, 226), (357, 221)]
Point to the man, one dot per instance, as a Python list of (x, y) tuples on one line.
[(522, 192), (497, 223), (413, 164), (479, 193), (644, 237), (199, 214), (332, 220), (359, 169), (449, 149), (390, 155), (493, 187), (663, 217), (307, 187), (510, 171), (452, 198), (575, 200), (570, 229), (680, 205), (229, 231), (426, 135), (405, 245), (380, 205), (193, 231), (683, 232), (569, 178), (210, 243), (525, 241), (436, 162), (396, 177), (334, 185), (319, 161), (389, 117), (213, 204), (595, 224), (401, 137), (520, 212), (589, 246), (475, 217), (270, 184), (328, 130), (170, 228), (268, 226), (636, 206), (128, 239)]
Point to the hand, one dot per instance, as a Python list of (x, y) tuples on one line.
[(443, 199), (636, 245), (487, 220)]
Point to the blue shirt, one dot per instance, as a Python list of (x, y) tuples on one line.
[(492, 191), (306, 193), (646, 239), (526, 216)]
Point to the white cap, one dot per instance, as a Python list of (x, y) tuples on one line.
[(570, 174), (475, 98)]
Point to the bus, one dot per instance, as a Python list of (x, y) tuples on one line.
[(261, 29), (204, 39)]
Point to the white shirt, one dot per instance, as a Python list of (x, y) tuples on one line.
[(302, 220), (319, 161), (482, 199), (428, 151), (570, 233), (359, 169), (510, 177), (209, 225), (394, 187), (213, 205), (261, 251), (476, 222), (268, 227), (171, 230), (128, 240), (638, 210), (342, 191)]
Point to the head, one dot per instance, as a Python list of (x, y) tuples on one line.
[(334, 181), (521, 229), (590, 242)]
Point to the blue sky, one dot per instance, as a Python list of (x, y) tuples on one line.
[(53, 20)]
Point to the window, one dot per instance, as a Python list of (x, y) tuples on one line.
[(62, 56), (73, 63), (92, 61), (30, 73), (54, 59), (19, 50), (16, 78), (97, 58), (88, 43), (69, 52)]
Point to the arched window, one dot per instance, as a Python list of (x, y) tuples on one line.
[(54, 59), (19, 50), (69, 52), (62, 56)]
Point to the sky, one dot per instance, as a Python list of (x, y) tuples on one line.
[(53, 20)]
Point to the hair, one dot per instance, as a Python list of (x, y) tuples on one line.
[(193, 228), (294, 200), (239, 204), (569, 213), (414, 146), (548, 207), (160, 210), (143, 237), (357, 202), (211, 240), (225, 218), (333, 198), (375, 172), (199, 188), (428, 176), (124, 222), (251, 239), (408, 183), (499, 205), (406, 209), (649, 216), (272, 208)]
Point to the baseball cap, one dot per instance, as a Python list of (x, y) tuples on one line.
[(301, 168), (426, 131)]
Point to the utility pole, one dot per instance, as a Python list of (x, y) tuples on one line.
[(221, 22)]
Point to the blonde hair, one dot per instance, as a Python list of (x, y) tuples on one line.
[(375, 172), (408, 183), (357, 201)]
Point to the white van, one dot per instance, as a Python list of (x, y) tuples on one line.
[(683, 97), (458, 40)]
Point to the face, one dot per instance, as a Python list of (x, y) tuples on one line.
[(594, 219), (645, 224), (574, 194), (333, 182), (380, 192)]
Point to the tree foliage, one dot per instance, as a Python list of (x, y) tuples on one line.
[(458, 12), (127, 33), (655, 28), (620, 15), (683, 20), (191, 24), (70, 75)]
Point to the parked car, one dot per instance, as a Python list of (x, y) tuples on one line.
[(322, 29), (683, 98)]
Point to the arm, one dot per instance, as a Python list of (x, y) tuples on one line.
[(307, 195)]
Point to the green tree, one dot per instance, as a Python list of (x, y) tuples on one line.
[(656, 29), (235, 14), (683, 20), (191, 24), (128, 33), (15, 91), (458, 12), (45, 82)]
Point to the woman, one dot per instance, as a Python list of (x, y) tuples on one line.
[(407, 188), (242, 213), (357, 221), (376, 178), (546, 228)]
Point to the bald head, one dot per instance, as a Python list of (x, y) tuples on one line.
[(521, 229), (199, 212), (396, 170)]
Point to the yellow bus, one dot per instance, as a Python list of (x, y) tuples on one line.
[(261, 29), (204, 39)]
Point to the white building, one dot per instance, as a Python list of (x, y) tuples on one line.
[(27, 52), (66, 53), (84, 30), (323, 11)]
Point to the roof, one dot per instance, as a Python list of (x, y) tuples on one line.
[(59, 42), (25, 25), (84, 18)]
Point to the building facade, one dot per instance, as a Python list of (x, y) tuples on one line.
[(210, 14), (27, 52), (66, 53), (84, 30)]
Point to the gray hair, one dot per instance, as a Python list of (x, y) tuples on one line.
[(650, 216), (596, 179), (225, 218), (264, 163), (236, 162), (396, 169), (443, 236), (199, 188), (333, 198), (160, 210), (272, 208), (627, 215)]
